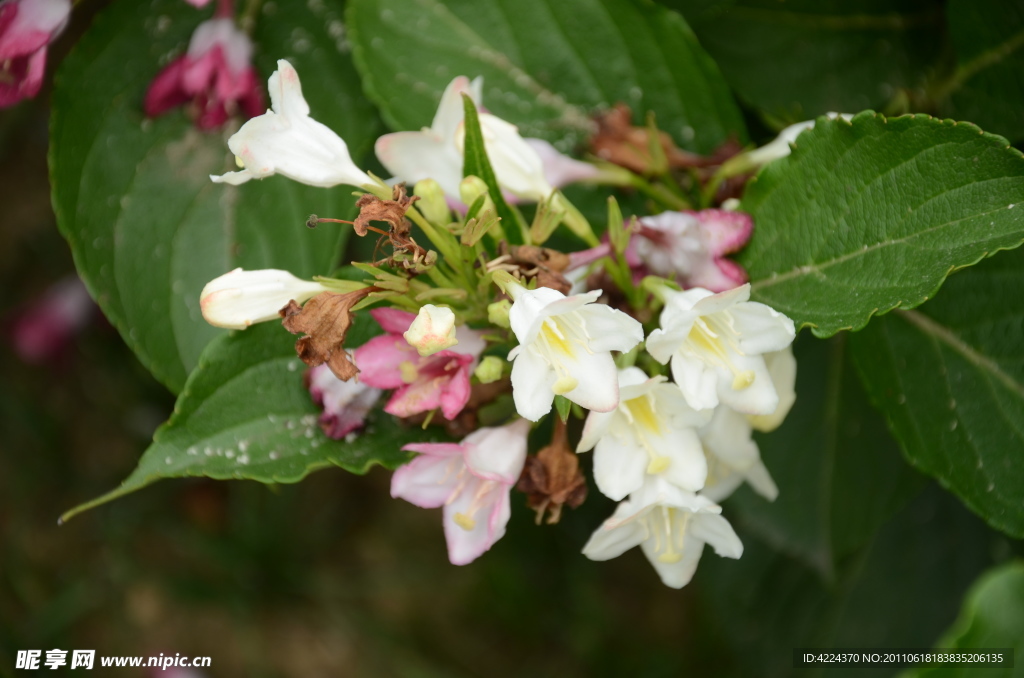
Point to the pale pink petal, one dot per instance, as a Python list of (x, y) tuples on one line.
[(717, 275), (392, 320), (559, 169), (485, 508), (498, 454), (381, 359), (428, 480), (345, 403), (725, 231)]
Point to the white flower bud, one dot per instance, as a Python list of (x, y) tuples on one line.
[(240, 298), (433, 330)]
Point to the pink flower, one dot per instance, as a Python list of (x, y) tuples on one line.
[(45, 330), (691, 246), (198, 3), (215, 74), (345, 403), (471, 480), (422, 383), (26, 28), (559, 169)]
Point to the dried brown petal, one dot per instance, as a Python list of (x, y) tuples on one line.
[(542, 263), (618, 141), (324, 321), (552, 479), (372, 208)]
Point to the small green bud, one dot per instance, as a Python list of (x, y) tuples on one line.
[(497, 313), (472, 188), (490, 369), (432, 203)]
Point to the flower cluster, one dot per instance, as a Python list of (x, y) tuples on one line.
[(483, 331)]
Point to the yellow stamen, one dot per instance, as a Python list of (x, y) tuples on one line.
[(743, 380), (658, 465), (464, 521), (564, 384), (408, 371), (239, 162), (555, 338), (643, 413)]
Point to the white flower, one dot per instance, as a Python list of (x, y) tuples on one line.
[(240, 298), (782, 368), (565, 346), (433, 330), (436, 152), (779, 146), (285, 140), (652, 431), (671, 526), (716, 342), (733, 457)]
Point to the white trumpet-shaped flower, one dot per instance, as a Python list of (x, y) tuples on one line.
[(782, 368), (651, 432), (436, 152), (716, 343), (565, 346), (733, 457), (671, 526), (240, 298), (286, 140)]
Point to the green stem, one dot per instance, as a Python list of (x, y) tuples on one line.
[(248, 19), (659, 193), (968, 70)]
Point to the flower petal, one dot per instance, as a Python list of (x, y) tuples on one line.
[(716, 531), (532, 380), (428, 480)]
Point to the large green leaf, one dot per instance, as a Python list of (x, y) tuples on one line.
[(802, 58), (950, 379), (988, 85), (900, 590), (133, 197), (992, 617), (868, 216), (245, 414), (546, 64), (839, 471)]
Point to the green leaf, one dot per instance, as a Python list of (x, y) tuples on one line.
[(900, 590), (868, 216), (546, 64), (245, 414), (950, 380), (802, 58), (988, 86), (475, 163), (992, 617), (133, 197), (832, 453)]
